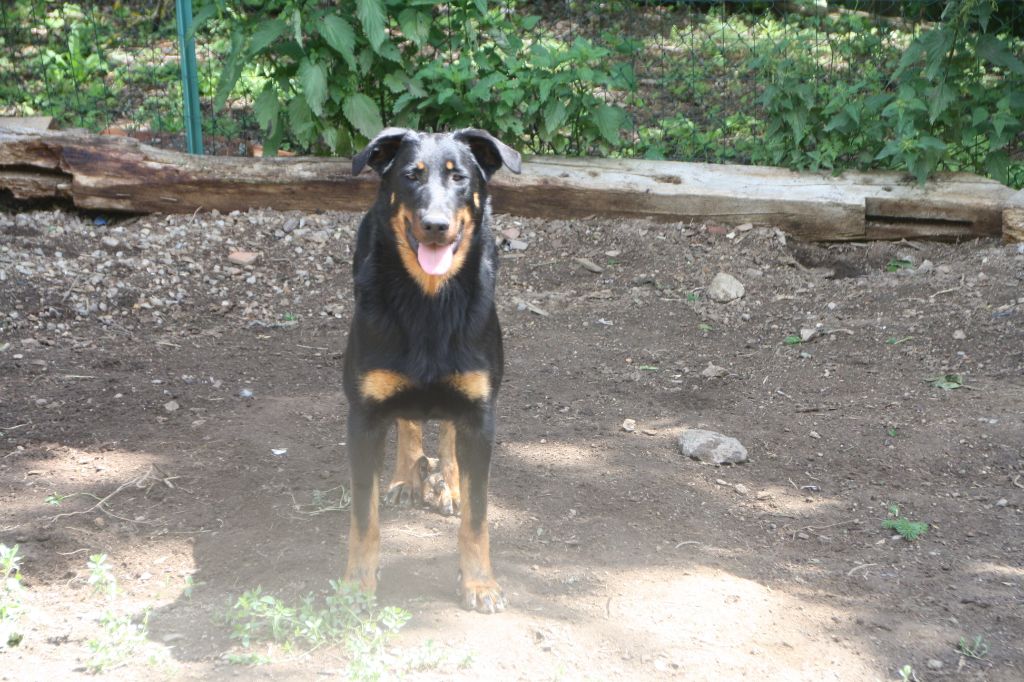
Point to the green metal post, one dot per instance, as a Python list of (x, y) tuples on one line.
[(189, 77)]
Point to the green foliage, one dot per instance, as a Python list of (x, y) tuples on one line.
[(977, 649), (11, 590), (907, 529), (347, 616), (953, 101), (332, 76), (121, 639)]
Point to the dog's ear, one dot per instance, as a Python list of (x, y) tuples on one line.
[(490, 152), (381, 151)]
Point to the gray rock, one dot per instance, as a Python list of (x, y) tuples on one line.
[(724, 288), (934, 664), (712, 447)]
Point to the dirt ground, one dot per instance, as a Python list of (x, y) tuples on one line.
[(127, 351)]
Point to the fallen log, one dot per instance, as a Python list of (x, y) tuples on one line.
[(120, 174)]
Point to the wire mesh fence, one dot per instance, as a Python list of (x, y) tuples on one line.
[(721, 81)]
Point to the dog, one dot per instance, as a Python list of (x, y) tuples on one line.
[(425, 342)]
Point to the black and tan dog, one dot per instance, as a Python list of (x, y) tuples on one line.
[(425, 341)]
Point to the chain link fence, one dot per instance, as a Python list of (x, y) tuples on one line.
[(704, 72)]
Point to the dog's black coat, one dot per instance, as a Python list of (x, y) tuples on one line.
[(420, 334)]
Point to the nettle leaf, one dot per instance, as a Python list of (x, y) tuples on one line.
[(609, 121), (363, 113), (415, 25), (341, 37), (300, 119), (555, 114), (268, 32), (939, 99), (232, 71), (267, 106), (313, 79), (371, 16), (997, 52)]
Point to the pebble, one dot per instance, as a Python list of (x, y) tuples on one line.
[(245, 394), (1002, 502), (959, 335), (711, 446), (243, 258), (171, 405), (110, 242), (518, 245), (725, 288), (934, 664), (713, 371), (589, 265), (741, 489), (629, 425)]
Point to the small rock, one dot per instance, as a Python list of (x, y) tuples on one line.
[(815, 435), (724, 288), (808, 333), (649, 432), (629, 425), (803, 536), (745, 227), (110, 242), (171, 405), (713, 371), (763, 495), (959, 335), (925, 267), (518, 245), (613, 254), (245, 394), (589, 265), (243, 257), (711, 446), (934, 664), (1002, 502), (741, 489), (99, 522), (510, 233), (279, 452)]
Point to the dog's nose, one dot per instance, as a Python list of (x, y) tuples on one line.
[(434, 224)]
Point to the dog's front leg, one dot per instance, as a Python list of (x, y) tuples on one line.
[(366, 436), (477, 586)]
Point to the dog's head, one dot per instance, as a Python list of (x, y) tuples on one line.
[(435, 186)]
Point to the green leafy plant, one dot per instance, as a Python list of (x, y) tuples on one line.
[(976, 649), (122, 638), (792, 340), (947, 382), (11, 591), (907, 674), (332, 76), (897, 264), (905, 528), (346, 616)]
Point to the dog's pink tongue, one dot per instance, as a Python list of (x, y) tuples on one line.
[(435, 260)]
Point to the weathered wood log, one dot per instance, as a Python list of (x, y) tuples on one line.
[(120, 174), (1013, 218)]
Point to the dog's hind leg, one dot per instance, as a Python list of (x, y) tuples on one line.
[(366, 438), (441, 489), (406, 487), (477, 586)]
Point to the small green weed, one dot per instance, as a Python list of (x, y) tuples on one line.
[(792, 340), (11, 590), (892, 432), (121, 638), (947, 382), (897, 264), (705, 327), (907, 529), (347, 616), (977, 649), (907, 674), (897, 340)]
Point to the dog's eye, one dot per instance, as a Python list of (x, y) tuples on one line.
[(457, 177), (413, 175)]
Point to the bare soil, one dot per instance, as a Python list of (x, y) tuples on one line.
[(622, 558)]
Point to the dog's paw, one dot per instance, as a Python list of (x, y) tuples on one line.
[(482, 595), (408, 490), (438, 496)]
